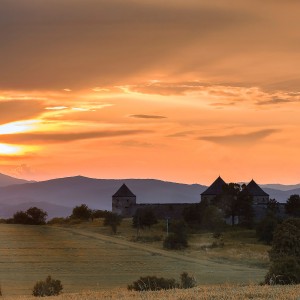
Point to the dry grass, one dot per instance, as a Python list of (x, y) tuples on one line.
[(87, 257), (216, 292)]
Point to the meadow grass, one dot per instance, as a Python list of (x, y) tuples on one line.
[(206, 292), (87, 257)]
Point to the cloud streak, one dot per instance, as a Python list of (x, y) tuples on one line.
[(240, 139), (32, 138), (16, 110), (141, 116)]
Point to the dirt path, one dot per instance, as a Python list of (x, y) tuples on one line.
[(149, 249)]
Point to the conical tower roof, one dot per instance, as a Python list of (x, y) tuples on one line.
[(255, 190), (216, 188), (124, 191)]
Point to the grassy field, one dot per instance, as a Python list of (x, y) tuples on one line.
[(208, 292), (87, 257), (241, 246)]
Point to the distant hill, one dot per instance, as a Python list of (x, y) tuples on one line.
[(59, 196), (281, 196), (6, 180), (281, 187), (96, 193)]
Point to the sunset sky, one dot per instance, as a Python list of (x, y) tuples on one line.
[(178, 90)]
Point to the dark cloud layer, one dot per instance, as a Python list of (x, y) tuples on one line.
[(36, 138), (147, 116), (16, 110), (73, 43), (240, 139)]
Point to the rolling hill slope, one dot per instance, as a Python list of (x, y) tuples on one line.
[(96, 193), (59, 196)]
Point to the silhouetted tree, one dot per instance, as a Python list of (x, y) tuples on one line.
[(144, 218), (33, 216), (178, 238), (212, 219), (21, 217), (81, 212), (285, 254), (235, 201), (38, 216), (99, 213), (273, 206), (193, 214), (292, 206), (49, 287), (266, 227), (112, 220)]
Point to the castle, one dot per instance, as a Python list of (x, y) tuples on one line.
[(124, 201)]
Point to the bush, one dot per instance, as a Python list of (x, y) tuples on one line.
[(186, 281), (178, 239), (49, 287), (112, 220), (285, 254), (97, 213), (175, 242), (153, 283), (33, 216), (58, 221), (265, 229), (81, 212), (144, 218), (284, 271), (212, 219)]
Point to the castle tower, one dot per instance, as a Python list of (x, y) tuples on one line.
[(214, 190), (259, 196), (124, 202)]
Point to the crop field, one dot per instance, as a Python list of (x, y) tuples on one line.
[(205, 292), (86, 260)]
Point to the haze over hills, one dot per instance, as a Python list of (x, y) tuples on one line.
[(281, 187), (6, 180), (59, 196), (96, 193)]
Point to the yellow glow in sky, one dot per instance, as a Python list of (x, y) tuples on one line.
[(8, 149), (17, 127)]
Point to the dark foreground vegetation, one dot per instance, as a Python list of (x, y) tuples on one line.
[(154, 283)]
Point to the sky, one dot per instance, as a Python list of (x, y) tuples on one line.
[(175, 90)]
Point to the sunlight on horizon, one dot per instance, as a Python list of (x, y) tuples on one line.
[(8, 149), (18, 127)]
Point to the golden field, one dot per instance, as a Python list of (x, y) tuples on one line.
[(206, 292), (87, 256)]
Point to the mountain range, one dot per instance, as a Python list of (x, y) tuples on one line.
[(59, 196)]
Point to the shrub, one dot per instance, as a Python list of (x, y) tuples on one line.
[(212, 219), (144, 218), (58, 221), (175, 242), (153, 283), (186, 281), (178, 239), (33, 216), (49, 287), (97, 213), (284, 271), (265, 229), (81, 212), (285, 254), (112, 220)]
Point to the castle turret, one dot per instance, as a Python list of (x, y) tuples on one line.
[(214, 190), (259, 196), (124, 202)]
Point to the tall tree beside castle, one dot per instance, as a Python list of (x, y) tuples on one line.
[(240, 203), (236, 202)]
